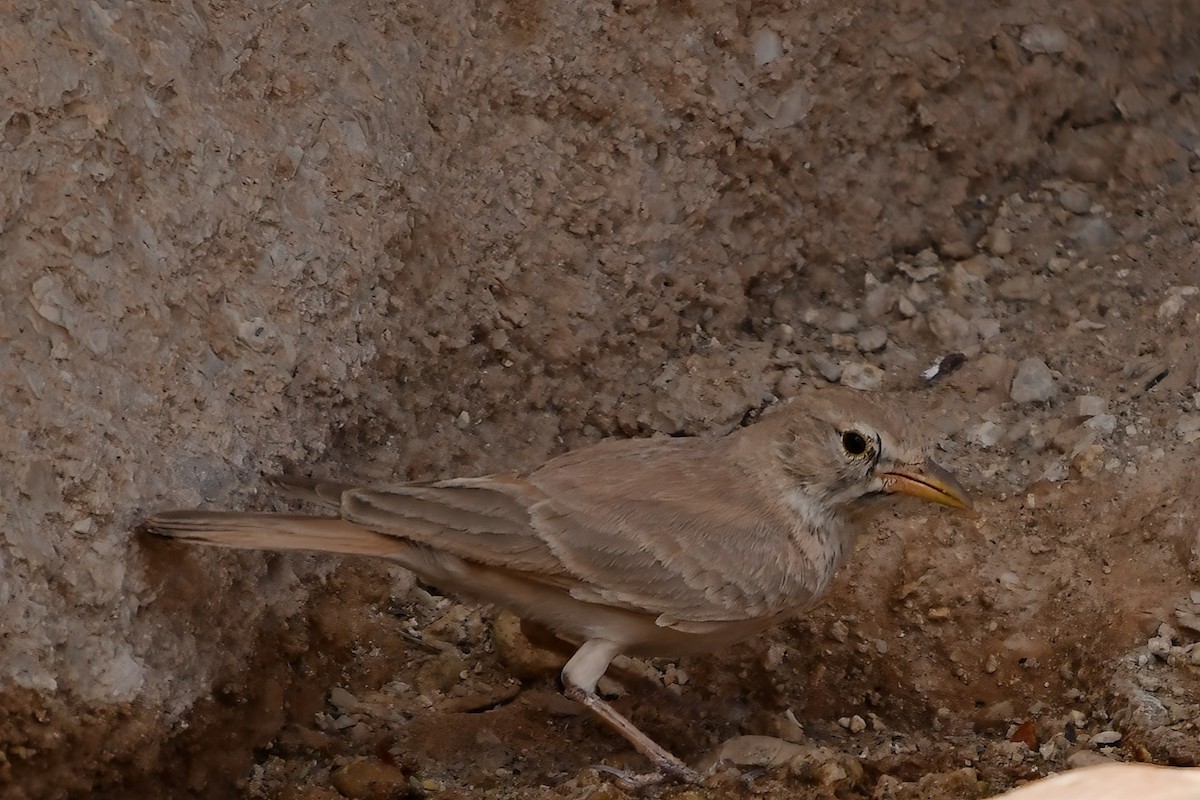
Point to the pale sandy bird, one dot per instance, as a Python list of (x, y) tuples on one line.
[(647, 547), (1114, 782)]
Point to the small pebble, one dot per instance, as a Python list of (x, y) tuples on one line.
[(781, 335), (521, 657), (1159, 646), (872, 340), (1106, 738), (996, 371), (1089, 405), (920, 273), (1177, 298), (864, 377), (1093, 233), (879, 301), (843, 342), (1021, 287), (789, 383), (1089, 461), (767, 47), (950, 328), (369, 780), (920, 296), (1076, 201), (996, 712), (842, 322), (342, 700), (999, 240), (927, 258), (1033, 383), (1187, 426), (1102, 423), (1046, 39), (826, 367), (756, 751), (855, 724), (1056, 472)]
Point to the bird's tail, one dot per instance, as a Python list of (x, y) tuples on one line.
[(254, 531)]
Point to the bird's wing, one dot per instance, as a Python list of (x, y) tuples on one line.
[(678, 529), (652, 527), (482, 520)]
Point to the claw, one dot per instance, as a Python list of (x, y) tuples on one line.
[(632, 781)]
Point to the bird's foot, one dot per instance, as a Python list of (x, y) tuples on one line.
[(667, 766), (633, 781)]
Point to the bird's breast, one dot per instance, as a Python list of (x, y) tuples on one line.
[(820, 541)]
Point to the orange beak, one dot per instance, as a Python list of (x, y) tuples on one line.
[(927, 481)]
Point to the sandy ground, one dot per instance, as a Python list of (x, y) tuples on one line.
[(402, 241)]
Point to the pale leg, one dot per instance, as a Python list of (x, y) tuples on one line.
[(579, 678)]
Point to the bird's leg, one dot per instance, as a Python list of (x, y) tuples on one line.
[(579, 678), (667, 764)]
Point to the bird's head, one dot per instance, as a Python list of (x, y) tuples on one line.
[(842, 448)]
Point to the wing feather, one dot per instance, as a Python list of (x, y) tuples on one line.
[(676, 529), (483, 520)]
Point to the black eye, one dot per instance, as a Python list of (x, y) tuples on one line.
[(854, 443)]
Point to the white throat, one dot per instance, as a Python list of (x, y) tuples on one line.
[(823, 538)]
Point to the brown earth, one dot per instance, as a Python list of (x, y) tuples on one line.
[(401, 241)]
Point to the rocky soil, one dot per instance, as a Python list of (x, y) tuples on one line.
[(397, 241)]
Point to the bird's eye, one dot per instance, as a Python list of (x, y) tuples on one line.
[(854, 443)]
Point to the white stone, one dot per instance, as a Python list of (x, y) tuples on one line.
[(1038, 38), (1102, 423), (1033, 383), (767, 46), (1159, 646), (1175, 300)]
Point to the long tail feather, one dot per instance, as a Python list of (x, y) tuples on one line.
[(250, 531)]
